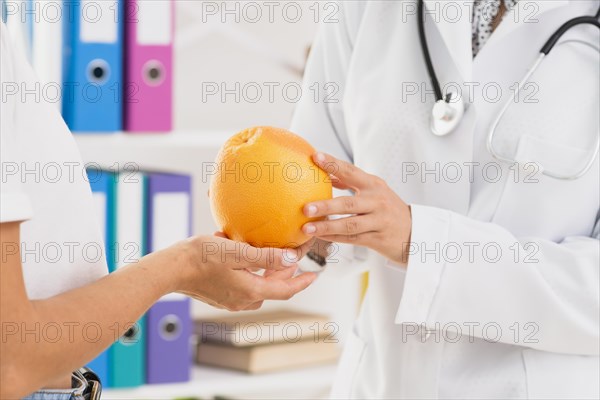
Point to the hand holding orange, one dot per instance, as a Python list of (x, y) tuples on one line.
[(264, 178)]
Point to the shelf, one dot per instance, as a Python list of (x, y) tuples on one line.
[(313, 383), (151, 150)]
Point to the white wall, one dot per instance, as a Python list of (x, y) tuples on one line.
[(213, 49)]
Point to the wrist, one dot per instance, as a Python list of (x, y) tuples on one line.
[(190, 262), (170, 268)]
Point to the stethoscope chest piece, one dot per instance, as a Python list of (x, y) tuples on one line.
[(447, 114)]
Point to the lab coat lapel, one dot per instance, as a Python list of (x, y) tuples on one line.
[(524, 12), (453, 21)]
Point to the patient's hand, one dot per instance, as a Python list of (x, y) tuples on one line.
[(221, 272)]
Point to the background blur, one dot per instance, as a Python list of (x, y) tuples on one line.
[(269, 52), (236, 64)]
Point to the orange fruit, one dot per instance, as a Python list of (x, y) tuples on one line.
[(264, 178)]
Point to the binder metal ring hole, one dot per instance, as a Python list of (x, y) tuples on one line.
[(98, 71), (170, 327), (153, 73)]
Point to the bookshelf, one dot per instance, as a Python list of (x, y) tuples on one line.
[(336, 293)]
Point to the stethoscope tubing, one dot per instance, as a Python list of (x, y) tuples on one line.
[(496, 122), (565, 27), (548, 46), (545, 50), (426, 55)]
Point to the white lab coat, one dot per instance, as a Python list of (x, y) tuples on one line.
[(520, 324)]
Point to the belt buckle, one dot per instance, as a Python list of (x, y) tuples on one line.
[(88, 384), (95, 390), (78, 383)]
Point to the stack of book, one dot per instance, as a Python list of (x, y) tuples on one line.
[(266, 342)]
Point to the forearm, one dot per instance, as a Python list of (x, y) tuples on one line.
[(44, 340), (68, 330)]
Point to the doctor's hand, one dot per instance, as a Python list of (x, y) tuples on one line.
[(377, 217), (219, 272)]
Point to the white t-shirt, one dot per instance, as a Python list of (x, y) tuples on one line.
[(43, 183)]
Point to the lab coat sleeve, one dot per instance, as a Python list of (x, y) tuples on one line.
[(319, 116), (518, 290)]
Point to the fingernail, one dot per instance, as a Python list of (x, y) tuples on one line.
[(320, 157), (289, 260), (310, 228), (311, 210)]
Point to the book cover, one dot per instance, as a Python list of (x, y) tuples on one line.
[(265, 328), (267, 358)]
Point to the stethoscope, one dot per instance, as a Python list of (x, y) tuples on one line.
[(448, 111)]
